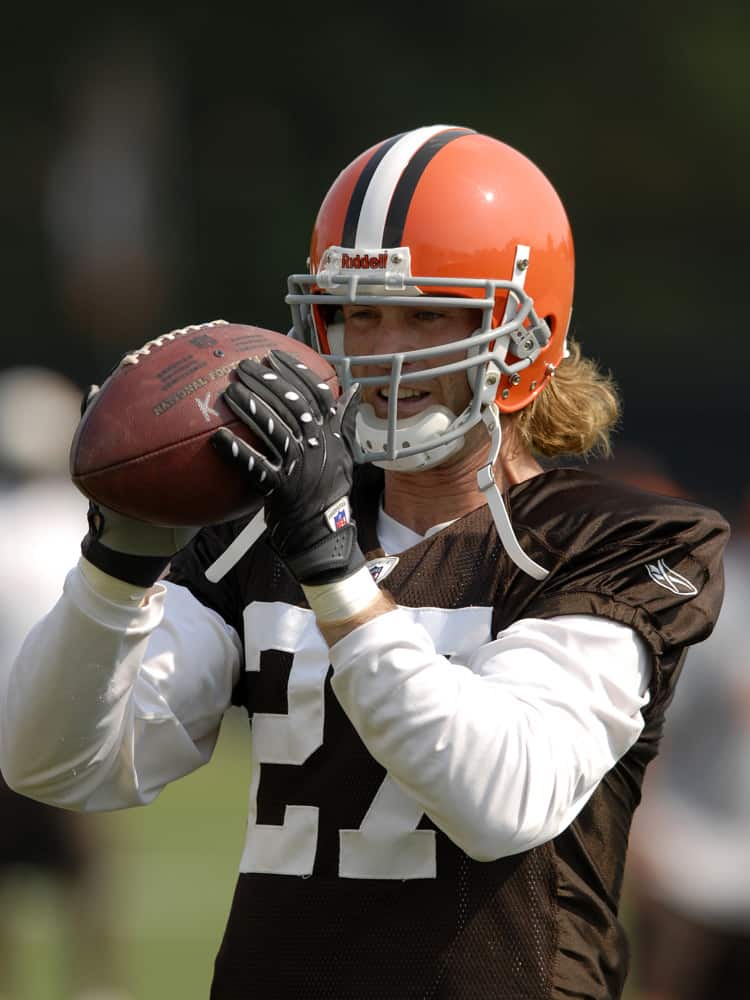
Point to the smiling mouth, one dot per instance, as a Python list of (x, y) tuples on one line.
[(405, 392), (409, 401)]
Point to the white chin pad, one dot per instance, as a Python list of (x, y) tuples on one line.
[(430, 425)]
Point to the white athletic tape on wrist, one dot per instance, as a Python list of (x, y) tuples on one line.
[(335, 602)]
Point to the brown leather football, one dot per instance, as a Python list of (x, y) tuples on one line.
[(143, 445)]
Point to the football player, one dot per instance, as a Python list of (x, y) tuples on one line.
[(456, 665)]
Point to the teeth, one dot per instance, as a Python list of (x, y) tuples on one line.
[(403, 393)]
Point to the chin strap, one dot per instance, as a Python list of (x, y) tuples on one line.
[(488, 486), (485, 480)]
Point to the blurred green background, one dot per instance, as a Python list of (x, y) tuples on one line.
[(161, 169), (174, 867), (173, 864), (164, 168)]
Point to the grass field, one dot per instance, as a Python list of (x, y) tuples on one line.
[(175, 863)]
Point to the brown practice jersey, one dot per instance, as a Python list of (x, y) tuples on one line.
[(539, 924)]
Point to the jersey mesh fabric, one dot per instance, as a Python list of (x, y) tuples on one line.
[(464, 937), (541, 925)]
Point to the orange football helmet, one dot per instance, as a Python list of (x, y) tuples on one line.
[(449, 212)]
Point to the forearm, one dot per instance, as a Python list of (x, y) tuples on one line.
[(68, 697), (94, 715), (499, 761)]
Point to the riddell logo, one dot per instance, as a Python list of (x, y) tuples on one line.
[(364, 261)]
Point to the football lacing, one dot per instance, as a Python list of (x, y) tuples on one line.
[(135, 356)]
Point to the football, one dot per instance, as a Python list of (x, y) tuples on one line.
[(143, 447)]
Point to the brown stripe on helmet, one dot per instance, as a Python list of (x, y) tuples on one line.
[(404, 191)]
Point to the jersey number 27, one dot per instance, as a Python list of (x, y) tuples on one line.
[(387, 843)]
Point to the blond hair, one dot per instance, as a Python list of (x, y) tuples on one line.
[(576, 412)]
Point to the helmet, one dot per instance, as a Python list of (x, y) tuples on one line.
[(449, 212)]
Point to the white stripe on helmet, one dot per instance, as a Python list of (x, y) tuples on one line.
[(380, 190)]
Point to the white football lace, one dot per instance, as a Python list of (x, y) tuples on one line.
[(135, 356)]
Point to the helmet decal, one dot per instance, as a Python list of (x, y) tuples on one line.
[(349, 237), (407, 185), (377, 210)]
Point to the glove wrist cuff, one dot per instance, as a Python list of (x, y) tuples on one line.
[(335, 556), (143, 571)]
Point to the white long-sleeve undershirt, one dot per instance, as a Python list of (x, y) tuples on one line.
[(108, 702), (504, 750)]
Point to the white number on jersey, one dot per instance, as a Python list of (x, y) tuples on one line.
[(387, 843)]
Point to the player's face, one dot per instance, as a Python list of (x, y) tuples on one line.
[(383, 329)]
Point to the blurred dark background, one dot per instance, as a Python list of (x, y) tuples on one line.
[(160, 170)]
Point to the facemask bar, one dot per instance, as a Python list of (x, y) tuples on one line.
[(524, 335)]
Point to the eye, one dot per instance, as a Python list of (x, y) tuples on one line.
[(359, 313)]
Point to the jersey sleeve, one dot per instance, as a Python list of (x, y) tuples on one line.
[(653, 563)]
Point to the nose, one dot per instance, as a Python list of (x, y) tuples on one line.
[(387, 337), (392, 336)]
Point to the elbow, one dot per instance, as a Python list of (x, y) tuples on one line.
[(40, 778), (67, 792), (482, 836), (491, 844), (11, 780), (15, 775), (485, 843), (45, 791), (80, 788), (491, 829), (483, 849)]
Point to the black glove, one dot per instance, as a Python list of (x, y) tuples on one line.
[(128, 549), (125, 548), (305, 471)]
